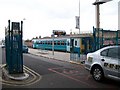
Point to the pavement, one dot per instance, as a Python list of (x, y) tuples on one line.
[(63, 56)]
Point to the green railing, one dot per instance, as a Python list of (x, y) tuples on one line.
[(13, 45)]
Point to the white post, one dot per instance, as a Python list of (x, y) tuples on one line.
[(97, 16)]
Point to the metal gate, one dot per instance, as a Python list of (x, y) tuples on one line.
[(74, 52)]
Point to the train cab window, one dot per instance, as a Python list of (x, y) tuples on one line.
[(75, 43)]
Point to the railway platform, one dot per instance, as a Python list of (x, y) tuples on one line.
[(63, 56)]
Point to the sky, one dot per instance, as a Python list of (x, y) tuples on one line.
[(41, 17)]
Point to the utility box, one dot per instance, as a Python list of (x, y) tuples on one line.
[(13, 47)]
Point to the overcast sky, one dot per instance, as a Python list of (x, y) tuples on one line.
[(43, 16)]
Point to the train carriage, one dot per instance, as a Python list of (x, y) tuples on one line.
[(76, 44), (60, 44)]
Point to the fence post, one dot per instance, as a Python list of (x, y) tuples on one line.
[(102, 38), (94, 39)]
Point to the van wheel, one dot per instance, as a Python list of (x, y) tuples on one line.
[(97, 73)]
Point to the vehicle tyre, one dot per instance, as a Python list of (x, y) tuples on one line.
[(97, 73)]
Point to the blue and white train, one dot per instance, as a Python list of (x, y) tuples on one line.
[(60, 44), (82, 43), (65, 43)]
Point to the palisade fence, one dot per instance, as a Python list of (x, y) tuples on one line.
[(100, 38)]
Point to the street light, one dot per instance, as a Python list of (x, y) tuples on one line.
[(24, 19), (97, 3)]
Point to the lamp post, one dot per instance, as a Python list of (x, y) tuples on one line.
[(97, 4), (24, 19)]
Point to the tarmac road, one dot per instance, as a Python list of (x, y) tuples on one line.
[(59, 74)]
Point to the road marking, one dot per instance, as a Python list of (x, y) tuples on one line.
[(51, 69), (35, 79)]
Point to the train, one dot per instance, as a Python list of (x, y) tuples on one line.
[(59, 44), (75, 43), (80, 43)]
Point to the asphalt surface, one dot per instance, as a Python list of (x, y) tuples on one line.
[(60, 74)]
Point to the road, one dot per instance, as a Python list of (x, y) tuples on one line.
[(60, 74)]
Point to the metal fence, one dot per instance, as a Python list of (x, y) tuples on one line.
[(102, 38), (13, 47)]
